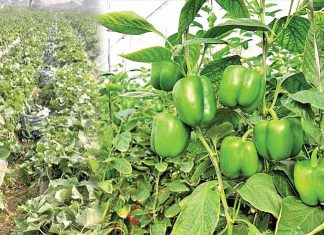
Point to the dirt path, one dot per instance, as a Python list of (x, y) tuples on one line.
[(14, 193)]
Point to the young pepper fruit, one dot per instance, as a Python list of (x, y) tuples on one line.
[(164, 75), (195, 101), (278, 139), (239, 157), (241, 87), (169, 137), (309, 179)]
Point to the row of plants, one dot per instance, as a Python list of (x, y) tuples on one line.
[(19, 74), (87, 30)]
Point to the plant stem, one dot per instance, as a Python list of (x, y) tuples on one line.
[(275, 96), (157, 181), (187, 55), (202, 58), (272, 113), (245, 119), (317, 230), (246, 134), (265, 49), (220, 187)]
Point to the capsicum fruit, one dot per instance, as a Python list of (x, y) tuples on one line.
[(169, 136), (241, 87), (278, 139), (238, 157), (164, 75), (195, 101), (309, 179)]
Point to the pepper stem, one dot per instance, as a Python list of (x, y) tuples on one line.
[(247, 134), (272, 113), (314, 160)]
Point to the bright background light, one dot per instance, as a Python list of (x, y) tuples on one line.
[(164, 15)]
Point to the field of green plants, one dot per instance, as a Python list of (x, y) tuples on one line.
[(208, 138)]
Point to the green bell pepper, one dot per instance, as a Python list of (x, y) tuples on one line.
[(241, 87), (239, 157), (169, 137), (195, 101), (164, 75), (309, 179), (278, 139)]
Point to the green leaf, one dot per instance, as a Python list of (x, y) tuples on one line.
[(176, 186), (200, 170), (88, 217), (215, 69), (294, 35), (126, 22), (149, 55), (158, 228), (295, 82), (261, 193), (122, 141), (240, 23), (313, 97), (307, 118), (188, 14), (317, 4), (199, 211), (236, 8), (314, 73), (282, 184), (4, 153), (122, 165), (161, 167), (298, 218), (226, 115), (172, 211), (106, 186), (218, 132)]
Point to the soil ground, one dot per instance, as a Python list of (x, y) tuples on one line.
[(14, 193)]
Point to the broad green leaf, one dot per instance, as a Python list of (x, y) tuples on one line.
[(172, 211), (236, 8), (294, 35), (149, 55), (88, 217), (4, 153), (313, 97), (188, 14), (218, 132), (240, 23), (307, 117), (261, 193), (226, 115), (122, 141), (199, 211), (122, 165), (282, 184), (126, 22), (106, 186), (158, 228), (215, 69), (161, 167), (317, 4), (176, 186), (200, 170), (295, 82), (298, 218), (314, 73)]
